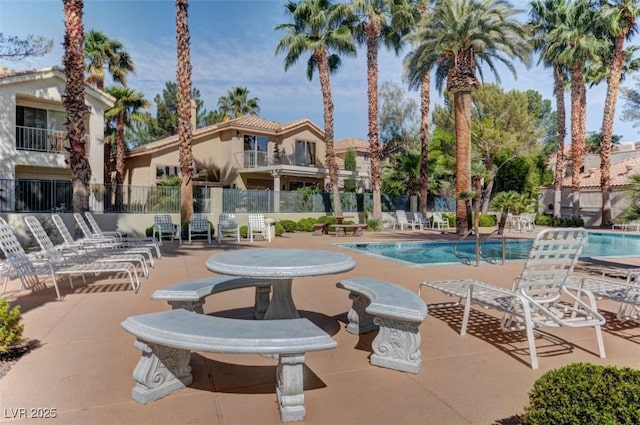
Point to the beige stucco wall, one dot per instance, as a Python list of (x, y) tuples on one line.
[(590, 203)]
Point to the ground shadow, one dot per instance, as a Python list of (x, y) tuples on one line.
[(619, 328), (364, 340)]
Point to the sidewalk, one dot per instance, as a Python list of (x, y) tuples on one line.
[(83, 368)]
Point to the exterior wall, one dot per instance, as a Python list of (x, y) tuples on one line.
[(590, 203)]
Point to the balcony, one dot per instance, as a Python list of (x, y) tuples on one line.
[(252, 159), (42, 140)]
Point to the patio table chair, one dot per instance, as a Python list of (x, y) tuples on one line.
[(199, 224), (258, 225), (163, 225), (543, 294), (439, 222), (227, 225)]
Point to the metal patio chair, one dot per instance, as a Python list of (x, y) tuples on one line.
[(227, 225), (199, 224)]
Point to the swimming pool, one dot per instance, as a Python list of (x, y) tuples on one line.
[(441, 252)]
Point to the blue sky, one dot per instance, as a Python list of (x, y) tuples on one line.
[(233, 44)]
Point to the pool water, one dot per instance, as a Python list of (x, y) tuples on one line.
[(441, 252)]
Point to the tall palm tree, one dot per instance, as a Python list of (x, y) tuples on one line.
[(183, 76), (319, 27), (128, 102), (619, 22), (379, 21), (101, 51), (572, 44), (73, 100), (238, 103), (545, 16), (456, 37)]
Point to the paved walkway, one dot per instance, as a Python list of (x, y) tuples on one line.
[(84, 364)]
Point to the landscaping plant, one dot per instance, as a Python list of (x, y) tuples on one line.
[(10, 326)]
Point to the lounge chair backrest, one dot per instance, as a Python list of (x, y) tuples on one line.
[(199, 222), (418, 217), (227, 221), (84, 227), (550, 263), (164, 223), (93, 223), (39, 233), (62, 229), (256, 221), (16, 257), (401, 216)]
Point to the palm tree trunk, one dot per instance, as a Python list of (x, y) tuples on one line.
[(120, 159), (73, 100), (561, 132), (462, 116), (373, 33), (330, 159), (578, 133), (424, 140), (606, 144), (184, 110)]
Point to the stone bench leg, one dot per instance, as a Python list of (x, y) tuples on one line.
[(160, 371), (359, 321), (397, 345), (262, 301), (195, 306), (290, 386)]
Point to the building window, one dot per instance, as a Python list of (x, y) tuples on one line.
[(255, 150), (305, 152), (366, 157), (39, 129)]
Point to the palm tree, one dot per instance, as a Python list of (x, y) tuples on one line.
[(572, 44), (238, 103), (379, 21), (545, 16), (319, 27), (619, 22), (183, 76), (459, 35), (128, 102), (73, 100), (99, 51)]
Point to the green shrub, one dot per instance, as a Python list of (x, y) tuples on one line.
[(306, 224), (544, 219), (583, 393), (244, 231), (487, 220), (451, 218), (327, 219), (148, 231), (10, 326), (279, 229), (374, 225), (289, 226)]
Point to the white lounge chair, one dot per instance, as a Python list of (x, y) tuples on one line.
[(541, 296), (257, 225), (418, 217), (29, 268), (199, 224), (227, 225), (402, 221), (163, 225), (125, 240), (438, 221)]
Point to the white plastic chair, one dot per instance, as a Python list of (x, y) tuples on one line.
[(257, 225), (96, 232), (402, 221), (418, 217), (227, 225), (163, 225), (439, 221), (543, 294), (199, 224)]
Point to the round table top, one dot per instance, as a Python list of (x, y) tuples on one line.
[(279, 263)]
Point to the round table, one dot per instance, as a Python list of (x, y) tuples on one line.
[(281, 266)]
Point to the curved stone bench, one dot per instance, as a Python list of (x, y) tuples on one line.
[(167, 338), (190, 295), (396, 312)]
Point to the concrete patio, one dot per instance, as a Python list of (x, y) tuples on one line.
[(83, 367)]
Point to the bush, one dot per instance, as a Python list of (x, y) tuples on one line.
[(10, 326), (374, 225), (279, 229), (289, 225), (487, 220), (583, 393), (244, 232), (306, 224), (451, 218), (148, 231), (327, 219), (544, 219)]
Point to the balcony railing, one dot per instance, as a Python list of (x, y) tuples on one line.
[(42, 140), (253, 159)]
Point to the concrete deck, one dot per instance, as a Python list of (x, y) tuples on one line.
[(83, 368)]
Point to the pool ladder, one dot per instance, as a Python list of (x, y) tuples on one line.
[(479, 243)]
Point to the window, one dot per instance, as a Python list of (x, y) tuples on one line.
[(39, 129), (255, 150), (305, 153), (366, 157)]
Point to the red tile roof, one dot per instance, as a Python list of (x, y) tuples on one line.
[(620, 173)]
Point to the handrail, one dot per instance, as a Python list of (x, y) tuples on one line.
[(491, 259), (465, 259)]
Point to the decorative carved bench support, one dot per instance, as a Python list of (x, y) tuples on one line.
[(397, 345), (289, 387), (160, 371), (360, 321)]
